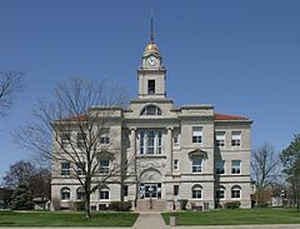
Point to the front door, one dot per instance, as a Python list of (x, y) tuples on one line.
[(150, 190)]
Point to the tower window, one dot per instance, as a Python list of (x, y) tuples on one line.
[(151, 87)]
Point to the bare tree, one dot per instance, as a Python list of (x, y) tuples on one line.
[(10, 84), (20, 172), (265, 165), (74, 127)]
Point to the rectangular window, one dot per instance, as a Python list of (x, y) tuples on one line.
[(125, 189), (235, 166), (236, 138), (104, 195), (80, 168), (197, 134), (65, 168), (81, 138), (176, 190), (104, 140), (104, 166), (220, 138), (220, 167), (220, 194), (151, 87), (235, 193), (176, 164), (197, 166), (197, 193), (150, 141), (65, 138)]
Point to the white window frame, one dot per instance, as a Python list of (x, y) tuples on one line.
[(234, 167), (65, 171), (81, 192), (197, 188), (220, 138), (146, 110), (221, 188), (235, 188), (102, 191), (176, 164), (104, 169), (104, 140), (174, 189), (151, 149), (79, 170), (197, 135), (197, 166), (236, 138), (65, 138), (68, 191), (217, 163)]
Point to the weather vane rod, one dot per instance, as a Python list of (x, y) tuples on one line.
[(152, 28)]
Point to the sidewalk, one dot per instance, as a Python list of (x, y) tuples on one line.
[(265, 226), (150, 220)]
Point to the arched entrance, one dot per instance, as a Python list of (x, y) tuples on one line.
[(150, 184)]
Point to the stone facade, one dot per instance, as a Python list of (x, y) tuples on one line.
[(187, 153)]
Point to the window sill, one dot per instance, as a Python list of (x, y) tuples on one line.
[(151, 156)]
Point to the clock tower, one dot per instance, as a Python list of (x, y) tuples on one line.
[(151, 73)]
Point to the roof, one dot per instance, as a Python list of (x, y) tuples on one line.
[(218, 117), (224, 117), (78, 118)]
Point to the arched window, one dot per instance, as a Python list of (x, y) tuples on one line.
[(197, 192), (220, 193), (80, 193), (104, 193), (65, 193), (236, 192), (151, 110)]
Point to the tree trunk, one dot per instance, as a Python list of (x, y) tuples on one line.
[(87, 206), (87, 198), (122, 191)]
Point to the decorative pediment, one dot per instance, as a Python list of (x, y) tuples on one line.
[(198, 153), (150, 175)]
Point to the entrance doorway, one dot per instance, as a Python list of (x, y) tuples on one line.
[(150, 190)]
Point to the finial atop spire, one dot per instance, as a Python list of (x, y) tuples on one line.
[(151, 47), (152, 27)]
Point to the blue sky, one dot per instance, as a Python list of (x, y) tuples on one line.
[(240, 56)]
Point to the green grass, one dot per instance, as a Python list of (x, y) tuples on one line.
[(237, 217), (66, 219)]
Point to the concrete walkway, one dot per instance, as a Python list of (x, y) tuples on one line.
[(266, 226), (150, 220)]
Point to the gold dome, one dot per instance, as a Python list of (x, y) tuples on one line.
[(151, 47)]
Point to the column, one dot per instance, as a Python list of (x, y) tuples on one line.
[(132, 161), (169, 150)]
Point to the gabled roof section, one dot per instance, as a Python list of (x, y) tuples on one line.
[(225, 117)]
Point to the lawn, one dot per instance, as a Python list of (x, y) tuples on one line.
[(66, 219), (237, 217)]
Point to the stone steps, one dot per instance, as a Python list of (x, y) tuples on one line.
[(145, 205)]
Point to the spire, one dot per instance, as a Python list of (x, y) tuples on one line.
[(152, 28), (151, 47)]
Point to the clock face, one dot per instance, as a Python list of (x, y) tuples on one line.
[(152, 60)]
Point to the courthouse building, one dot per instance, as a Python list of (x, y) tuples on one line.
[(188, 153)]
